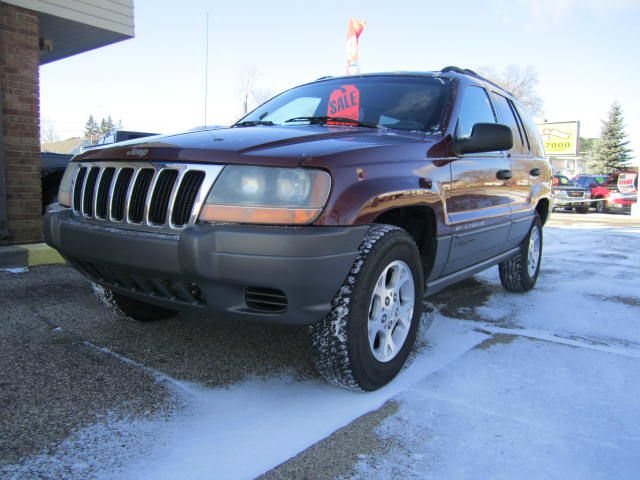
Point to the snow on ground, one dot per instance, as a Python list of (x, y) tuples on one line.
[(559, 400), (240, 431), (589, 287), (518, 410), (565, 407)]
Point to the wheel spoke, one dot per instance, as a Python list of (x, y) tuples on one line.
[(373, 332), (405, 309), (388, 346), (391, 311)]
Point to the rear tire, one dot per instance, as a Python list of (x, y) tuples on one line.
[(127, 307), (365, 340), (584, 209), (520, 272)]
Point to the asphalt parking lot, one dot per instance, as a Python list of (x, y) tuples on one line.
[(67, 364)]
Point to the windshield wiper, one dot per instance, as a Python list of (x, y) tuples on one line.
[(253, 123), (323, 120)]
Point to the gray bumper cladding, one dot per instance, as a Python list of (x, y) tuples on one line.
[(215, 267)]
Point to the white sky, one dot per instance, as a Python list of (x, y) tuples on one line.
[(586, 54)]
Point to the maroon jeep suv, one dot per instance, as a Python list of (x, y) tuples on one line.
[(337, 204)]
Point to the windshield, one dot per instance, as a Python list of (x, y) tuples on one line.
[(560, 180), (405, 103)]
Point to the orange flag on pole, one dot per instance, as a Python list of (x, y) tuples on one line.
[(354, 29)]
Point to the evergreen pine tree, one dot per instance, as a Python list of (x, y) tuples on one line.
[(91, 130), (612, 152), (107, 125)]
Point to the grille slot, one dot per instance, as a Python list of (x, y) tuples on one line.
[(157, 197), (268, 300), (186, 197), (139, 195), (161, 195), (120, 194), (89, 190), (103, 192), (77, 192)]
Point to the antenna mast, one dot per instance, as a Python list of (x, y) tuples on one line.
[(206, 71)]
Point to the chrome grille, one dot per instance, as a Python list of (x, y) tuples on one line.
[(89, 190), (151, 196), (139, 193), (186, 195), (160, 198)]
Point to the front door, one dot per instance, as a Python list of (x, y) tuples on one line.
[(478, 202)]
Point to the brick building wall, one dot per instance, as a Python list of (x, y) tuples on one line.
[(19, 84)]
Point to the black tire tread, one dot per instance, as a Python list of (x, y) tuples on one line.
[(513, 275), (329, 336)]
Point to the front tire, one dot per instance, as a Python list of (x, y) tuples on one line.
[(365, 340), (601, 205), (583, 209), (520, 272), (130, 308)]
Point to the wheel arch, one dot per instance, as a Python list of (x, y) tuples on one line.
[(542, 208), (419, 221)]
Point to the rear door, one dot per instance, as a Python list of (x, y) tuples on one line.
[(478, 201), (523, 166), (535, 168)]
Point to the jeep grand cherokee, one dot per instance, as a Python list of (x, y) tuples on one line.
[(337, 204)]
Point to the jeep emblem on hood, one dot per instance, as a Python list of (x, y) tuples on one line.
[(137, 152)]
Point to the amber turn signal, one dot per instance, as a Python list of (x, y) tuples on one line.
[(261, 215)]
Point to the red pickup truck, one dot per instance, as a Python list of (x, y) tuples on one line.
[(618, 192)]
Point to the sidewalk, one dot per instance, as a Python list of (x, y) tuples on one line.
[(20, 257)]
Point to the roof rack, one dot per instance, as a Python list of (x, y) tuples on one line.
[(471, 73)]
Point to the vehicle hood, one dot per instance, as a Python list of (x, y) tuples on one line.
[(260, 145)]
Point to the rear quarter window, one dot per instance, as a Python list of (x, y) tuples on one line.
[(531, 130), (508, 118)]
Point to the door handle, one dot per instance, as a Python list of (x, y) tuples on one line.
[(535, 172), (504, 174)]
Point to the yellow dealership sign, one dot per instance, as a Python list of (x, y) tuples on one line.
[(560, 138)]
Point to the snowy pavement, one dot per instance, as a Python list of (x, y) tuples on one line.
[(541, 385)]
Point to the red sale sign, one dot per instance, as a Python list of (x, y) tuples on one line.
[(344, 102)]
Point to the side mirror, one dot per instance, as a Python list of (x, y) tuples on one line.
[(485, 137)]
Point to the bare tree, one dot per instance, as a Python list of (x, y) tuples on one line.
[(248, 90), (261, 95), (522, 82), (48, 133)]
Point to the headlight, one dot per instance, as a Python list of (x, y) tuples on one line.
[(269, 195), (560, 193), (64, 191)]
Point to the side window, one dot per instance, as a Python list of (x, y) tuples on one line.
[(476, 108), (508, 117), (531, 130)]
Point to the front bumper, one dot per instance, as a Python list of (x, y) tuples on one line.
[(569, 202), (215, 268)]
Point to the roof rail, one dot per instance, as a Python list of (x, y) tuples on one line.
[(324, 78), (471, 73)]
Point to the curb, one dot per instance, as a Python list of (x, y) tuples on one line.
[(30, 255)]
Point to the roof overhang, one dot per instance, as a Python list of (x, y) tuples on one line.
[(73, 26), (69, 38)]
